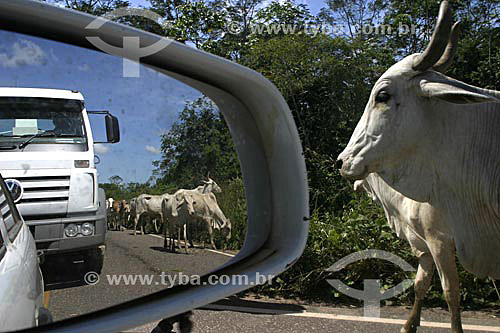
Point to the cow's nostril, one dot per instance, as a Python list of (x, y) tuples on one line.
[(339, 164)]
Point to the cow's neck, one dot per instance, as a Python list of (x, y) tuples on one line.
[(414, 178), (467, 158), (207, 188)]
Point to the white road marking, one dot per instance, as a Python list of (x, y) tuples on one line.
[(210, 250), (333, 316), (219, 252)]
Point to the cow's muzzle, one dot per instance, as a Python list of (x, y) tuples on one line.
[(352, 168)]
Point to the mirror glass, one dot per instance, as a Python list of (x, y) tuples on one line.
[(174, 170)]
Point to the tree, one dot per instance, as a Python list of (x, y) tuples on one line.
[(197, 144), (117, 180), (353, 15), (189, 22), (94, 7)]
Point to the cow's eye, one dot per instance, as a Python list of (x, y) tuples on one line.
[(382, 97)]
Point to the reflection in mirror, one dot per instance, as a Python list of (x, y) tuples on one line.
[(99, 211)]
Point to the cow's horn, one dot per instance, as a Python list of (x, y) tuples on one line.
[(438, 42), (447, 59)]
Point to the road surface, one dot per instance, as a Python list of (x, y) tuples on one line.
[(130, 255), (144, 255)]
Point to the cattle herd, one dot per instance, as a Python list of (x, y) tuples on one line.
[(172, 212)]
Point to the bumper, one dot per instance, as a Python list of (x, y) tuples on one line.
[(50, 239)]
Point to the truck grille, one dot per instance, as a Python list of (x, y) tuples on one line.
[(43, 190)]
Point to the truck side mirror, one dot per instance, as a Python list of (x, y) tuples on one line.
[(112, 129)]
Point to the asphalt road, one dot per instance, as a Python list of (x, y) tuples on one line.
[(144, 255), (130, 255)]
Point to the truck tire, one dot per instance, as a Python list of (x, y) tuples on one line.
[(94, 260), (44, 316)]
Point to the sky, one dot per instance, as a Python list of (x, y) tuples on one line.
[(314, 5), (145, 106)]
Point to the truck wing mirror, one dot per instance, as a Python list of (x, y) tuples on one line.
[(112, 129), (265, 138)]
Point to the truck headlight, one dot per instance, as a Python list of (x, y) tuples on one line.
[(87, 229), (71, 230)]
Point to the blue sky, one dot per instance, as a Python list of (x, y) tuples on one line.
[(314, 5), (146, 106)]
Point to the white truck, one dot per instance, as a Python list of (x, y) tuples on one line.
[(47, 161)]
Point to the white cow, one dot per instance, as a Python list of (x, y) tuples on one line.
[(198, 206), (209, 187), (124, 213), (436, 140), (151, 205), (175, 218), (109, 203)]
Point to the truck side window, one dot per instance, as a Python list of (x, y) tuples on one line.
[(10, 217)]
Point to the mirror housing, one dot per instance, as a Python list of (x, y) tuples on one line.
[(112, 129)]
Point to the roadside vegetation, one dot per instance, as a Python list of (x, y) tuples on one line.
[(326, 79)]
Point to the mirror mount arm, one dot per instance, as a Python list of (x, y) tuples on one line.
[(99, 112)]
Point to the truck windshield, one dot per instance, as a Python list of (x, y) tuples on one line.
[(25, 117)]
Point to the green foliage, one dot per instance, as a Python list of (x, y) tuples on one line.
[(190, 21), (361, 226), (94, 7), (198, 144)]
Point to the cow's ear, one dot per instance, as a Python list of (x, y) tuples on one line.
[(454, 92)]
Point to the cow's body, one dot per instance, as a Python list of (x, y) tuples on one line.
[(209, 187), (150, 205), (204, 207), (114, 216), (124, 212), (436, 141)]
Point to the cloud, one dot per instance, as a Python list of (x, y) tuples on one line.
[(53, 3), (100, 148), (23, 52), (152, 149), (84, 67)]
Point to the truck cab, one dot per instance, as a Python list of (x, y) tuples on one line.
[(47, 161)]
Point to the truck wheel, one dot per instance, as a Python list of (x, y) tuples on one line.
[(94, 260), (44, 316)]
